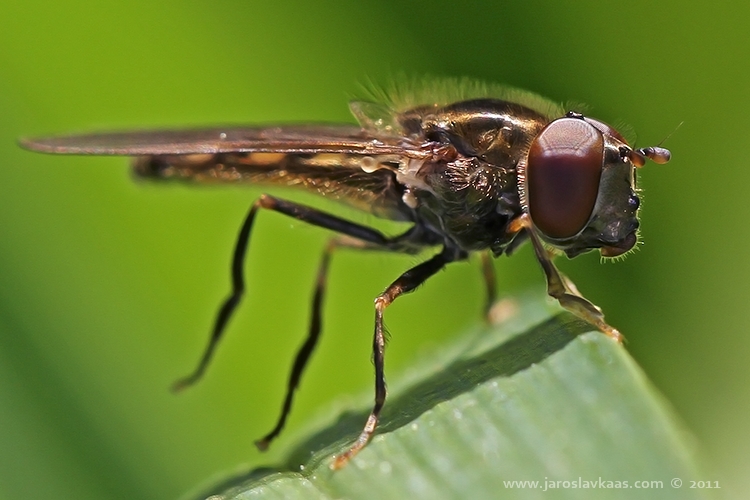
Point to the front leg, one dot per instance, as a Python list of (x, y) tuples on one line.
[(559, 286)]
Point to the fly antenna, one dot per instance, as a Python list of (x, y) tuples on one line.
[(657, 154)]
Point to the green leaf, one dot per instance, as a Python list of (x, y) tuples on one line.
[(537, 398)]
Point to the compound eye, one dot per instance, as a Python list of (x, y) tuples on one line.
[(562, 176)]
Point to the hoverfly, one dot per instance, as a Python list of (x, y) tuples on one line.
[(472, 168)]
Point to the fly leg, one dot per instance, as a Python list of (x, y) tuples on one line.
[(297, 211), (305, 351), (406, 283), (560, 287), (316, 320), (490, 282)]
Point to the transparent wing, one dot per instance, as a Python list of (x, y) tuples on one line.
[(365, 182), (300, 139), (342, 162)]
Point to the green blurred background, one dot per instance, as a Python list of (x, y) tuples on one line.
[(108, 287)]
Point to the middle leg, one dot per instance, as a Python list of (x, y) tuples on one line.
[(490, 283), (406, 283)]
